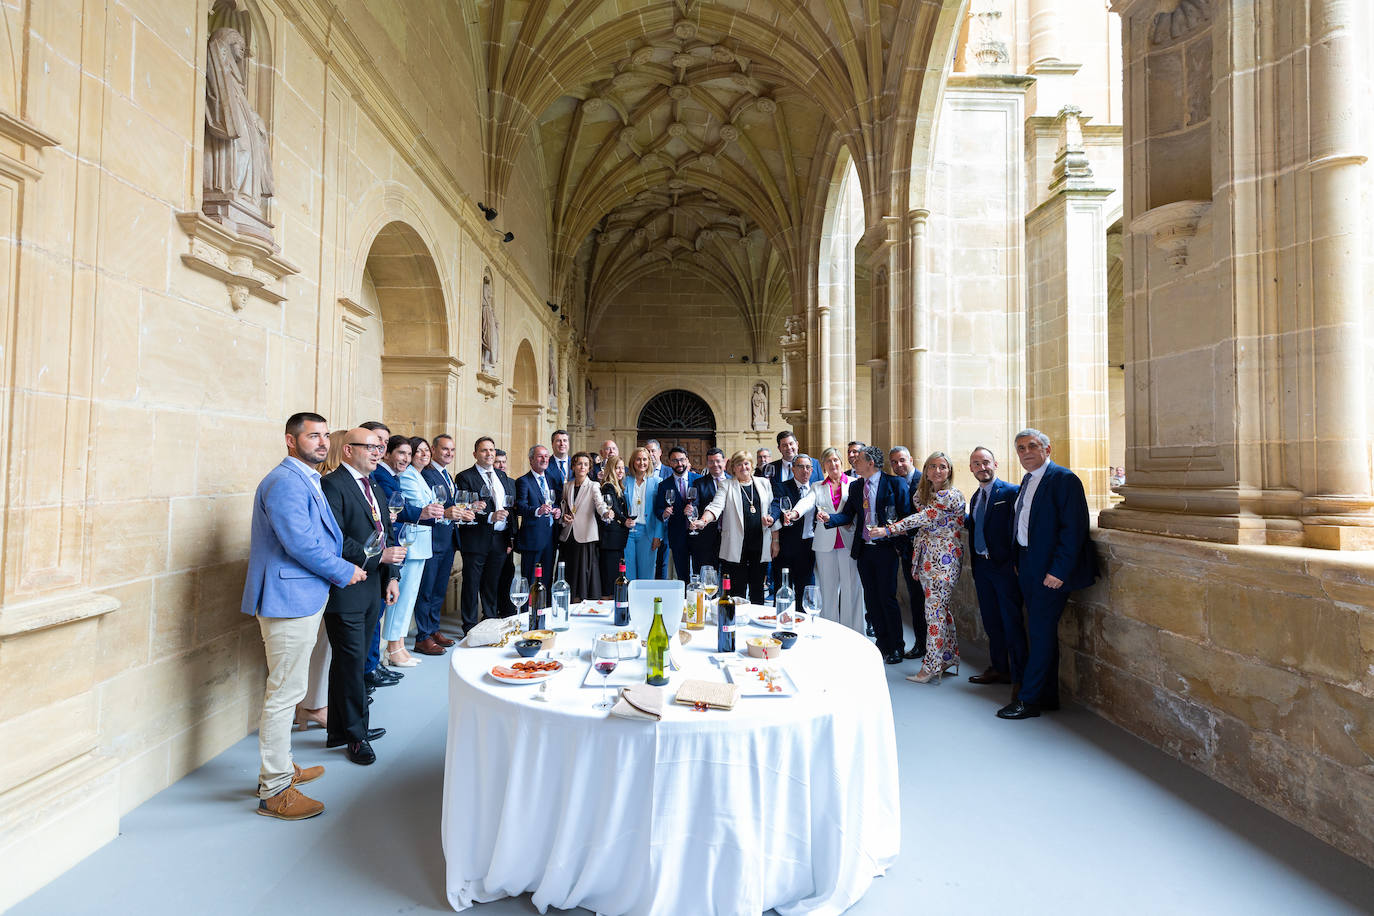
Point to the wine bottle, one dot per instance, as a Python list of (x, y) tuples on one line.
[(538, 600), (622, 598), (658, 648), (725, 619), (560, 610)]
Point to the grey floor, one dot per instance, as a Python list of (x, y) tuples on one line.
[(1064, 814)]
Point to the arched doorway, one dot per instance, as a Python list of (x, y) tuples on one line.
[(524, 427), (678, 417)]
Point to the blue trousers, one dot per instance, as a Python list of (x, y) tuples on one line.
[(640, 562), (1044, 607), (529, 559), (999, 604), (396, 619)]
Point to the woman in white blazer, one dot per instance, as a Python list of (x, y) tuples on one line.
[(582, 506), (837, 573), (742, 505), (410, 458)]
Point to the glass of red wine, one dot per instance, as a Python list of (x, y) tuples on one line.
[(605, 656)]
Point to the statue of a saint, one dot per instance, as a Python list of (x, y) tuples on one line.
[(758, 406), (490, 340), (553, 378), (238, 163), (591, 403)]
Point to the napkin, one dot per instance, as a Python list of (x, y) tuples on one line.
[(639, 701)]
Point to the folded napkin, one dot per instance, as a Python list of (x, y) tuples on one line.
[(714, 694), (640, 701)]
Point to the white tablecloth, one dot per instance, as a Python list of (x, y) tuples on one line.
[(783, 802)]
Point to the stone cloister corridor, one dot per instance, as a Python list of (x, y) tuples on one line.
[(1141, 226)]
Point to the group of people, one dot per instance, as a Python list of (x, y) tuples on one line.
[(355, 533)]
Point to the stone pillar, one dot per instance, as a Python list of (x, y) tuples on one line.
[(1044, 31), (916, 366), (1247, 351), (1066, 254), (794, 372)]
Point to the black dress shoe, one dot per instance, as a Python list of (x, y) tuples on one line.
[(914, 652), (369, 698), (893, 658), (361, 753), (337, 741), (990, 675), (868, 630), (1018, 710), (374, 679)]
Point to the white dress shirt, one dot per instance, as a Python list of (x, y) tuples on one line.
[(1023, 500), (310, 472), (498, 494)]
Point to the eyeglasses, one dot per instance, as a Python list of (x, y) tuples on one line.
[(367, 445)]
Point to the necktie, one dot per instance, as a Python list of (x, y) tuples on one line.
[(367, 492), (1021, 502), (980, 540), (682, 488), (544, 493), (448, 482), (868, 508)]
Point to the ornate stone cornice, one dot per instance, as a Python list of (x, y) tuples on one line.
[(247, 266), (31, 141), (1171, 227)]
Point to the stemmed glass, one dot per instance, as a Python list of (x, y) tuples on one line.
[(785, 504), (394, 505), (485, 494), (605, 656), (409, 534), (690, 510), (709, 583), (811, 603), (519, 592), (669, 496), (374, 545), (438, 495), (463, 501)]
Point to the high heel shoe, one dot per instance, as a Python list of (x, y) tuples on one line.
[(925, 677), (395, 662), (952, 663), (305, 718)]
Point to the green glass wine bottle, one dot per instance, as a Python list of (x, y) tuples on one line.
[(658, 648)]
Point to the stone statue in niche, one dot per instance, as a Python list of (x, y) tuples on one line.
[(238, 162), (758, 406), (491, 344), (591, 403)]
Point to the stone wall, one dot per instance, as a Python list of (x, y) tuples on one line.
[(1254, 665)]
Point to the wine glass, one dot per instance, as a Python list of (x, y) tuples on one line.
[(669, 496), (394, 505), (437, 495), (409, 534), (605, 656), (465, 501), (484, 495), (811, 603), (374, 545), (785, 504), (519, 592), (709, 583), (690, 510)]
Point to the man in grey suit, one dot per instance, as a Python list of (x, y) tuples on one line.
[(293, 559)]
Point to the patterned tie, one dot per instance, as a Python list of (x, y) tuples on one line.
[(980, 539), (1020, 502), (868, 507)]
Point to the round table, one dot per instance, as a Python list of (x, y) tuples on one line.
[(788, 803)]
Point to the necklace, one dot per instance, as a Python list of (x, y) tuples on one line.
[(748, 495)]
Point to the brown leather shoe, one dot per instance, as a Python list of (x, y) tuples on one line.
[(990, 675), (309, 774), (443, 640), (428, 646), (290, 805)]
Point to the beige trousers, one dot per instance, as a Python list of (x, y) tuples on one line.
[(289, 642)]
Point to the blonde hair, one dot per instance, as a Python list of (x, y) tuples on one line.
[(925, 489), (332, 461), (648, 462), (608, 473), (742, 455)]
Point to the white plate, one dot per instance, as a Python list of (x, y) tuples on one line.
[(751, 686), (594, 609), (522, 680), (770, 623)]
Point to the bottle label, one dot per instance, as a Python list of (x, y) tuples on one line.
[(727, 628)]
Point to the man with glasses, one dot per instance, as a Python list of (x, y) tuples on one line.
[(374, 673), (353, 612)]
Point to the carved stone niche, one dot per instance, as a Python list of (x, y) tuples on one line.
[(1172, 227), (246, 265)]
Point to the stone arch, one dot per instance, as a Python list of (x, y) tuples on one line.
[(676, 416), (527, 409), (835, 380)]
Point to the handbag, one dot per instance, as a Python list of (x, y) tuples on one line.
[(493, 631)]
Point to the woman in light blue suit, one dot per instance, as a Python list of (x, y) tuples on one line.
[(410, 458), (647, 534)]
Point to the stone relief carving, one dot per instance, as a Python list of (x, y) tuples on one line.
[(238, 161), (553, 378), (1177, 18), (986, 45), (758, 406), (491, 342), (590, 399)]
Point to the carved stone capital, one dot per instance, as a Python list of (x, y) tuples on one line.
[(1172, 227), (247, 266)]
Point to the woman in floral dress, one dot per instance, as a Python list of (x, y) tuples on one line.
[(937, 554)]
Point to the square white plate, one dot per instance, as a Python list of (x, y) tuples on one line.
[(751, 686)]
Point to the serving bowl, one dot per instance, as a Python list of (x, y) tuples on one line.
[(528, 648), (786, 637)]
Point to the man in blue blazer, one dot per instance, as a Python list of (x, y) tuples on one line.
[(1053, 558), (293, 559), (993, 559), (536, 504), (876, 499), (674, 518)]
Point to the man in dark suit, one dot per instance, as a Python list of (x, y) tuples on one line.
[(781, 469), (508, 565), (674, 518), (353, 611), (992, 556), (484, 544), (429, 601), (536, 503), (560, 462), (792, 539), (873, 500), (1053, 558), (899, 457), (704, 546)]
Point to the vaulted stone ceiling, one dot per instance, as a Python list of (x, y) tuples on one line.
[(700, 135)]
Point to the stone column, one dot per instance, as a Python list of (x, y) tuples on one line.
[(916, 366), (794, 373), (1044, 31)]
